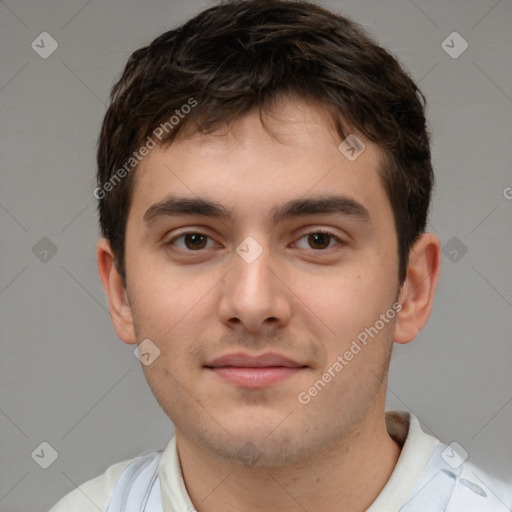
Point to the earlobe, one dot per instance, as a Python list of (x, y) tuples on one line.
[(120, 310), (417, 293)]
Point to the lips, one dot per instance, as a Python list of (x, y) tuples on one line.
[(248, 371), (248, 361)]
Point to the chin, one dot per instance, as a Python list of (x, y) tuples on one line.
[(261, 441), (258, 452)]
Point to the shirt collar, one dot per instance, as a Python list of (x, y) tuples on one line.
[(417, 448)]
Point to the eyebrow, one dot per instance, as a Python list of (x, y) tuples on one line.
[(175, 206)]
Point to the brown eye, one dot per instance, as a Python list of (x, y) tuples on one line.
[(320, 240), (195, 241), (191, 241)]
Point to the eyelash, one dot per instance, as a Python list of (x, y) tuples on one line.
[(313, 232)]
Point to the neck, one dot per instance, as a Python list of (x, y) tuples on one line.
[(351, 473)]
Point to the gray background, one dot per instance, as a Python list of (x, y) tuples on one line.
[(65, 377)]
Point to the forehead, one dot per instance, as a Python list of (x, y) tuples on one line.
[(250, 167)]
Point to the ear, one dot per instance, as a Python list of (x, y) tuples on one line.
[(120, 310), (417, 293)]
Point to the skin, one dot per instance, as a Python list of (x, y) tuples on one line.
[(303, 299)]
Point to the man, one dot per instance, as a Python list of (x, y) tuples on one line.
[(264, 179)]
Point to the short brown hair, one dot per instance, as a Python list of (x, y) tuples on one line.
[(242, 55)]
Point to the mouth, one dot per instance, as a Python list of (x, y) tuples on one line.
[(249, 371)]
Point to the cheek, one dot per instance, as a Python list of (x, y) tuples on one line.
[(170, 389), (350, 295), (173, 314), (351, 304), (163, 302)]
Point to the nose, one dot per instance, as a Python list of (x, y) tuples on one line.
[(255, 298)]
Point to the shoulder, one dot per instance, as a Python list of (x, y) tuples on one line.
[(93, 494), (451, 483), (475, 490)]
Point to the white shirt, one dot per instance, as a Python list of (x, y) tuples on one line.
[(428, 477)]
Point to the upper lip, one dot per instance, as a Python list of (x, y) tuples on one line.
[(250, 361)]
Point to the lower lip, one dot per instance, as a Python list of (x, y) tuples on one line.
[(249, 377)]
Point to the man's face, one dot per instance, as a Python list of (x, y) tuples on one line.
[(202, 287)]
